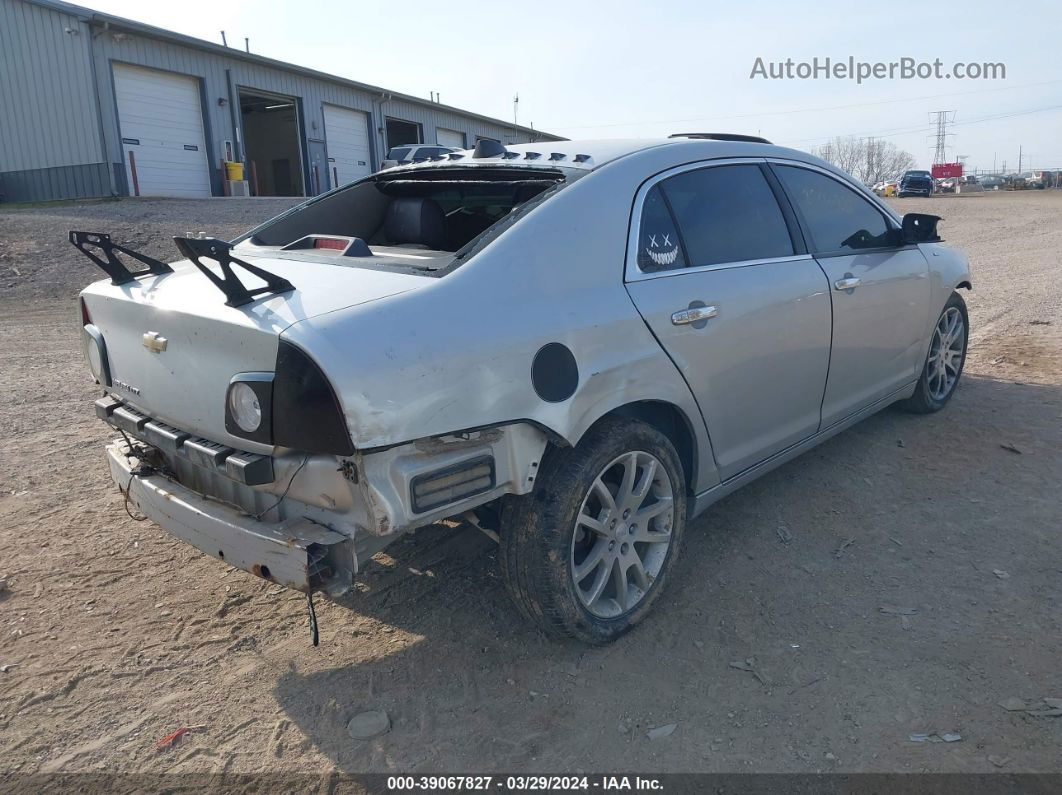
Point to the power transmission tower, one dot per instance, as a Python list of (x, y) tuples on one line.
[(942, 118)]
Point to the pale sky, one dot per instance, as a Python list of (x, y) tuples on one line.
[(634, 69)]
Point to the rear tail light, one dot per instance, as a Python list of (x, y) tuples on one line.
[(306, 412), (453, 483), (96, 354)]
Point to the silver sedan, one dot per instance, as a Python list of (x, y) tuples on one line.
[(577, 346)]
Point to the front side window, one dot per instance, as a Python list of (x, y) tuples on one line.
[(838, 218)]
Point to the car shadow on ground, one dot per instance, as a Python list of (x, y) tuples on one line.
[(791, 572)]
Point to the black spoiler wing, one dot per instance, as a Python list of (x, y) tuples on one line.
[(95, 244)]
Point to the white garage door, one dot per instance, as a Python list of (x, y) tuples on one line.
[(446, 137), (161, 121), (347, 138)]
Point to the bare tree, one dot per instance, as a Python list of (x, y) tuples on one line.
[(869, 160)]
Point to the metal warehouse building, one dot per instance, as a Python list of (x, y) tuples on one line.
[(96, 105)]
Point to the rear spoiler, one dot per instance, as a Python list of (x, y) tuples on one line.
[(228, 283), (112, 266), (209, 248)]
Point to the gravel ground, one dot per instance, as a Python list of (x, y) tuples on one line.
[(903, 578), (37, 260)]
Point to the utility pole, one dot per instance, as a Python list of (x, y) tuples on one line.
[(942, 118), (1019, 158), (516, 106)]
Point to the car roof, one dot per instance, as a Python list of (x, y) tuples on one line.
[(583, 156)]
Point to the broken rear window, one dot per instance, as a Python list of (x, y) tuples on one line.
[(430, 211)]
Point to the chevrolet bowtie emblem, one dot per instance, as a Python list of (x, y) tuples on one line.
[(154, 342)]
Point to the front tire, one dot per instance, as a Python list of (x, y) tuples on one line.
[(589, 551), (945, 360)]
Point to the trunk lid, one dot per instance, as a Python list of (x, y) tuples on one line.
[(207, 342)]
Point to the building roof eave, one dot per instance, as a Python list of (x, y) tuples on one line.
[(112, 22)]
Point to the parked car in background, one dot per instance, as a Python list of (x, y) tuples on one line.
[(944, 185), (575, 347), (885, 187), (992, 181), (414, 153), (1014, 182), (914, 183), (1035, 179)]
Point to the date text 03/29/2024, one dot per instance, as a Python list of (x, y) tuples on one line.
[(604, 783)]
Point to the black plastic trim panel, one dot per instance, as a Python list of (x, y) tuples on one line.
[(248, 468)]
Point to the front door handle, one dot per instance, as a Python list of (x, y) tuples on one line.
[(847, 283), (693, 315)]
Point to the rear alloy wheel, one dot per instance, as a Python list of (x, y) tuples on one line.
[(622, 534), (945, 360), (588, 552)]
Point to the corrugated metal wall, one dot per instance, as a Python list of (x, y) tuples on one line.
[(48, 101), (50, 142), (216, 71)]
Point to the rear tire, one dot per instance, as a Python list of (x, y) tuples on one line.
[(944, 361), (589, 551)]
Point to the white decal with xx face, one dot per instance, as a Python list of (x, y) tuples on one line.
[(662, 251)]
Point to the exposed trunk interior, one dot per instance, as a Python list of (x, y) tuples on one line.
[(430, 210)]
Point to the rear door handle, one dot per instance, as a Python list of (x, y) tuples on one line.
[(693, 314), (848, 283)]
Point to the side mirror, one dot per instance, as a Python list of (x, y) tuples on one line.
[(919, 228)]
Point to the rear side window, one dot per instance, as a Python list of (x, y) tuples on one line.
[(721, 214), (658, 241), (398, 153), (838, 218)]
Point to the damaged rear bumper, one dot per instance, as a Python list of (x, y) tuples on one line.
[(296, 553)]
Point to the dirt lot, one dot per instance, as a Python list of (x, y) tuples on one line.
[(113, 635)]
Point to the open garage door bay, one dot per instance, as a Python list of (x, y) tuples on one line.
[(347, 137), (160, 116)]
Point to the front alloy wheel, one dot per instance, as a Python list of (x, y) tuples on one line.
[(946, 354), (945, 360)]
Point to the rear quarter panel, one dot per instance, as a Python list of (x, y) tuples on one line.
[(457, 353)]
